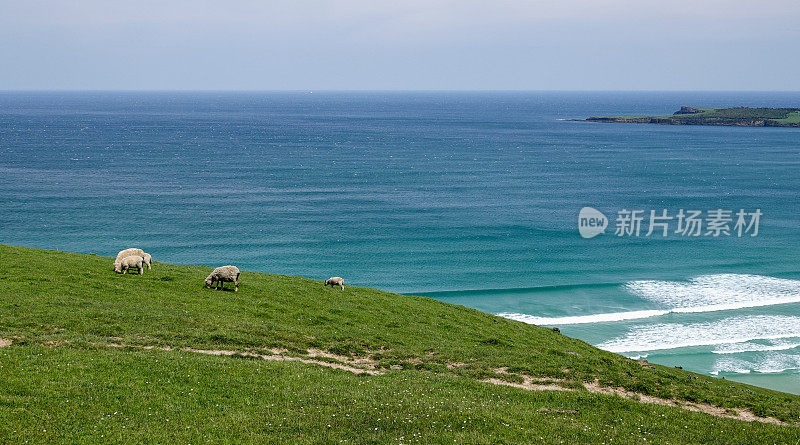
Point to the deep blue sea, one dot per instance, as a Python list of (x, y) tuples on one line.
[(470, 198)]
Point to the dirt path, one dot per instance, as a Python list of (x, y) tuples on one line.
[(536, 384), (344, 363), (368, 366)]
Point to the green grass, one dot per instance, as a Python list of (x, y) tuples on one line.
[(60, 383), (77, 395), (791, 118), (744, 116)]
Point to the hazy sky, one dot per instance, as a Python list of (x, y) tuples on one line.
[(406, 44)]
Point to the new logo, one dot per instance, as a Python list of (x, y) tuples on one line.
[(591, 222)]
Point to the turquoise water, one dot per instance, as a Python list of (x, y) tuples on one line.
[(471, 198)]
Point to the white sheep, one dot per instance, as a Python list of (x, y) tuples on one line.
[(335, 281), (133, 251), (224, 274), (130, 261)]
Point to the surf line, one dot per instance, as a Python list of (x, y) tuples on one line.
[(632, 315), (580, 319)]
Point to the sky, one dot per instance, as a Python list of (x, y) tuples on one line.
[(400, 45)]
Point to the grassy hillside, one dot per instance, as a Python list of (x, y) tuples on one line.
[(737, 116), (95, 355)]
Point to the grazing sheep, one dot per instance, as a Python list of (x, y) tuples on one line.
[(130, 261), (335, 281), (133, 251), (224, 274)]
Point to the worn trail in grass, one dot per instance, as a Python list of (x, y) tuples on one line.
[(77, 326), (360, 366), (89, 395)]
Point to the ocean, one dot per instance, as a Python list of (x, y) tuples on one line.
[(469, 198)]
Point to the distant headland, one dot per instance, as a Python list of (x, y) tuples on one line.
[(737, 117)]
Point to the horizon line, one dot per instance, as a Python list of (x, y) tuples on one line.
[(311, 90)]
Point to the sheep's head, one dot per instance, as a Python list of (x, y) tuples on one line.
[(208, 282), (117, 267)]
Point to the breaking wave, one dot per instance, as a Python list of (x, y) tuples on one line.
[(771, 363), (718, 292), (738, 329), (580, 319), (736, 348), (706, 293)]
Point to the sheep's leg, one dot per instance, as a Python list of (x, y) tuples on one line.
[(141, 269), (235, 285)]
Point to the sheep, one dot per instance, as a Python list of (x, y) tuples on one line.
[(130, 261), (222, 275), (133, 251), (335, 281)]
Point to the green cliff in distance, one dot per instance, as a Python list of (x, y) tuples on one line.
[(737, 117)]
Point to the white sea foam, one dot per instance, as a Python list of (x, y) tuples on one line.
[(580, 319), (736, 348), (706, 293), (772, 362), (736, 370), (718, 292), (738, 329)]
